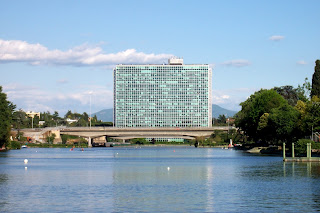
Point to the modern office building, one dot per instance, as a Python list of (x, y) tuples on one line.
[(167, 95)]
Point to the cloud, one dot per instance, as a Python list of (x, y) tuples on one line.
[(37, 54), (276, 38), (237, 63), (302, 62), (36, 99), (62, 81), (231, 98)]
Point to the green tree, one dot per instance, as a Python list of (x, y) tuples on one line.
[(222, 119), (20, 120), (69, 115), (254, 107), (289, 93), (50, 138), (304, 90), (36, 121), (283, 122), (301, 125), (315, 91), (55, 115), (312, 117), (6, 111), (265, 131), (301, 146), (138, 141)]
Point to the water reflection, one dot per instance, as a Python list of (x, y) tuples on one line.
[(193, 183), (143, 185), (138, 179), (309, 172)]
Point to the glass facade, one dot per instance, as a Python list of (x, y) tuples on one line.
[(162, 96)]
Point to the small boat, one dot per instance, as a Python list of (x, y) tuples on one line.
[(24, 146)]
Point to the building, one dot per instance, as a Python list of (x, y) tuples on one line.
[(31, 114), (70, 121), (167, 95)]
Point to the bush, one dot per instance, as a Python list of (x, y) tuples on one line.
[(14, 145), (300, 147), (138, 141)]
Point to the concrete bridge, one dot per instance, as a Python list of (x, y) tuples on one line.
[(126, 133)]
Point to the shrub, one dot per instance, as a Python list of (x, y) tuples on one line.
[(14, 145), (301, 146)]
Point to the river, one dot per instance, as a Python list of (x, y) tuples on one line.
[(154, 179)]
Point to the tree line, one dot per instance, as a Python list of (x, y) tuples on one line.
[(282, 114), (18, 119), (269, 116), (21, 120)]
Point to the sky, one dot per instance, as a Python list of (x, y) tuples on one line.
[(60, 55)]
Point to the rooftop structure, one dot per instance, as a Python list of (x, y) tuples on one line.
[(31, 114)]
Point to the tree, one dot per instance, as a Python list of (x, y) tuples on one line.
[(222, 119), (20, 120), (254, 107), (282, 121), (315, 91), (304, 90), (55, 115), (138, 141), (301, 146), (289, 93), (50, 138), (69, 115), (312, 118), (6, 110)]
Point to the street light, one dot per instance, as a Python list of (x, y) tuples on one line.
[(90, 93), (90, 110)]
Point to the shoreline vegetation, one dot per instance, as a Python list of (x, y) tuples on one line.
[(267, 119), (248, 148)]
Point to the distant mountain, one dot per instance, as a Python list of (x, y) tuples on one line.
[(107, 114), (217, 110), (104, 115)]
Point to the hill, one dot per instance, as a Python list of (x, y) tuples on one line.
[(107, 114), (217, 110), (104, 115)]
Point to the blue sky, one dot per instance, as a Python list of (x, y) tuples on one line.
[(54, 55)]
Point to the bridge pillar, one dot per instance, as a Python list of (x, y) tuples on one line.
[(89, 142)]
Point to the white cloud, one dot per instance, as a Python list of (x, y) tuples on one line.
[(231, 98), (62, 81), (276, 38), (237, 63), (36, 99), (302, 62), (36, 54)]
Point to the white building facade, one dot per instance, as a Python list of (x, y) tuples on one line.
[(168, 95)]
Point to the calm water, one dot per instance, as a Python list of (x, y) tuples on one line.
[(138, 180)]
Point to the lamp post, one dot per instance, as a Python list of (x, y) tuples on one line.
[(90, 110), (228, 125)]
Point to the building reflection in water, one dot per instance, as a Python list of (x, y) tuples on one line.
[(192, 184), (143, 184)]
